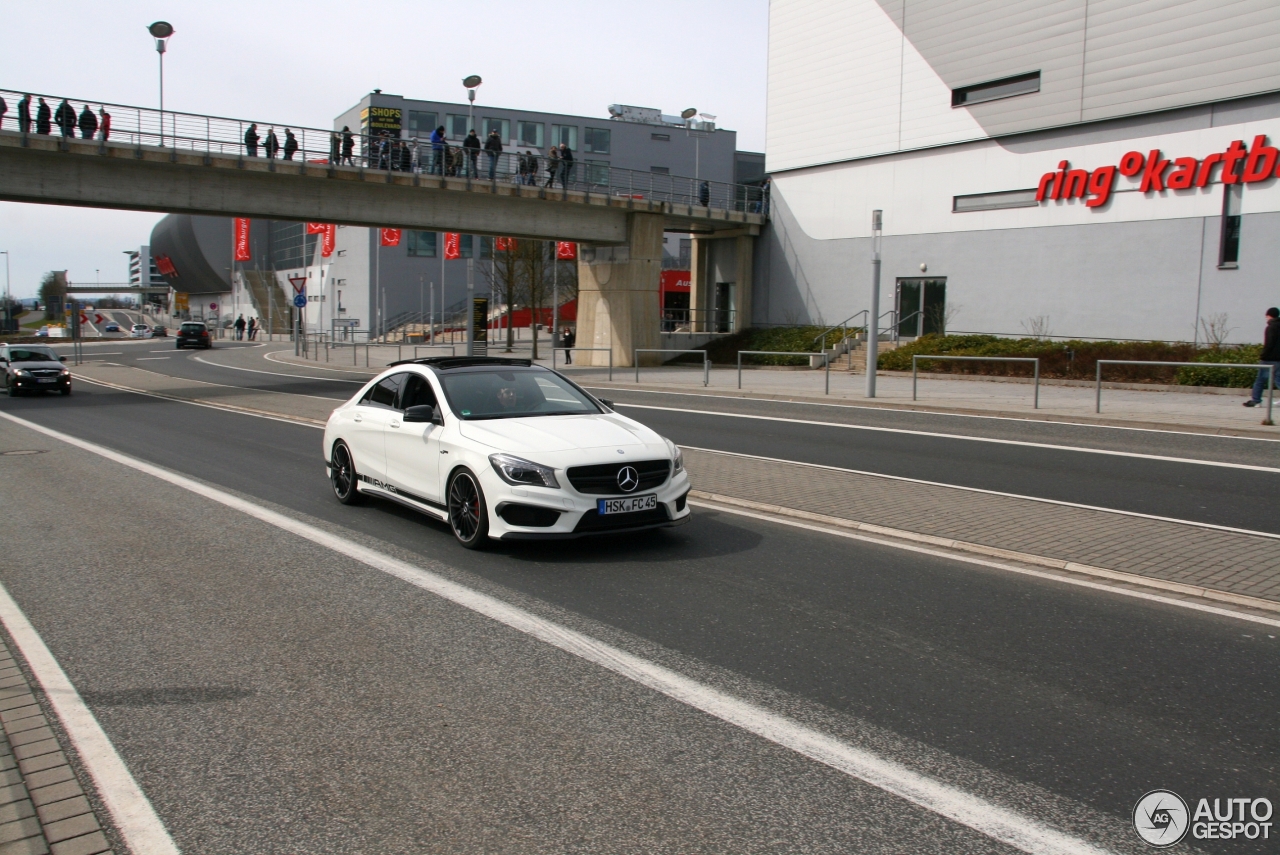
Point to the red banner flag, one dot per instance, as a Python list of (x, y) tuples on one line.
[(452, 245), (566, 250), (329, 236), (241, 239), (504, 244), (390, 237)]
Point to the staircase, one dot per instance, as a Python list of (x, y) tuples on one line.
[(268, 300), (855, 361)]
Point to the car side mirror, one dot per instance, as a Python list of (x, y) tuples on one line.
[(607, 403), (437, 418), (62, 359), (422, 413)]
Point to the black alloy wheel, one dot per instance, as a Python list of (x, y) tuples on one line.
[(468, 516), (342, 474), (13, 389)]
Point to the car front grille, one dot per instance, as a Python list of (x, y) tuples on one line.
[(602, 479), (46, 372), (592, 521)]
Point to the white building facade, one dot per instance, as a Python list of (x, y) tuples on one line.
[(1085, 168)]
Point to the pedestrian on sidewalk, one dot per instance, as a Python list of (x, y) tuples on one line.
[(272, 143), (472, 145), (493, 148), (348, 145), (240, 325), (104, 124), (567, 340), (251, 140), (88, 123), (24, 114), (290, 144), (253, 329), (553, 166), (1270, 356), (44, 118)]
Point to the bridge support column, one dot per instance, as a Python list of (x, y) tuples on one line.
[(618, 293), (720, 283)]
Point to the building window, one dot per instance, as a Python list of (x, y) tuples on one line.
[(455, 126), (566, 135), (660, 170), (1229, 245), (486, 246), (1005, 87), (660, 137), (422, 244), (502, 126), (994, 201), (596, 140), (597, 172), (531, 134), (421, 124), (464, 246)]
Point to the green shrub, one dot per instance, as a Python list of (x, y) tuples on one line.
[(724, 351), (1237, 378)]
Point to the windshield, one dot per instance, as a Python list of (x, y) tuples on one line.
[(506, 393), (31, 354)]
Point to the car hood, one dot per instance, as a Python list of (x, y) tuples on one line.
[(36, 363), (542, 434)]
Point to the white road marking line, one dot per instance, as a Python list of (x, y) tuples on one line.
[(281, 373), (130, 808), (270, 358), (997, 822), (998, 565), (912, 410), (218, 407), (144, 358), (1042, 501), (1025, 444)]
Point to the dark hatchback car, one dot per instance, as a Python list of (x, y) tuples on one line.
[(33, 368), (192, 334), (159, 332)]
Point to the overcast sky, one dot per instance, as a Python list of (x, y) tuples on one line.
[(304, 63)]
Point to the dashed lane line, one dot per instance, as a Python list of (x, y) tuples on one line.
[(992, 820)]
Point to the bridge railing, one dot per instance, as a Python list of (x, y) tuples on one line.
[(277, 142)]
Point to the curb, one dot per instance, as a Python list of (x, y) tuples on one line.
[(993, 552)]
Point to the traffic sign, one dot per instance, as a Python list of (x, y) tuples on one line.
[(98, 318), (299, 284), (300, 300), (213, 307)]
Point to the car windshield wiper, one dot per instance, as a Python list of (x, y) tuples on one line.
[(489, 416)]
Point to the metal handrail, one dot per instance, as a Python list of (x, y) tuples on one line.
[(826, 363), (608, 349), (706, 363), (1032, 359), (843, 325), (1271, 369)]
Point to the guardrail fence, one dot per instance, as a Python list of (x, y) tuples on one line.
[(706, 363), (1271, 377), (1034, 360)]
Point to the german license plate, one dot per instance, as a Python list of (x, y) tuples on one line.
[(43, 380), (629, 505)]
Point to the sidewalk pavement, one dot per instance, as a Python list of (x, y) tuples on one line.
[(1176, 408)]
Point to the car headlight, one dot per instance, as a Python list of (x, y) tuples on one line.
[(677, 456), (22, 372), (526, 473), (66, 373)]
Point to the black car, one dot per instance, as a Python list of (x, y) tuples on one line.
[(33, 368), (193, 334), (159, 332)]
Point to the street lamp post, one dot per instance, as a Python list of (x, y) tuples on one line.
[(873, 316), (470, 82), (161, 31)]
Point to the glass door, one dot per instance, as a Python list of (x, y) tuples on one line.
[(922, 307)]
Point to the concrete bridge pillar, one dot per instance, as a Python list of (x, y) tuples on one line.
[(720, 283), (618, 294)]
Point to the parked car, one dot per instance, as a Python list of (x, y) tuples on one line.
[(159, 332), (33, 368), (140, 331), (192, 334), (111, 327)]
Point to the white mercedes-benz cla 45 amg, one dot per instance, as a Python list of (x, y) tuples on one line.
[(503, 449)]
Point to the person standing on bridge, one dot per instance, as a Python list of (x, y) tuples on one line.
[(88, 123), (65, 116), (1270, 356), (104, 124), (493, 148), (272, 144), (566, 165), (24, 114), (437, 150), (290, 144), (240, 325), (348, 145), (553, 166), (251, 140), (4, 108), (472, 145), (44, 118)]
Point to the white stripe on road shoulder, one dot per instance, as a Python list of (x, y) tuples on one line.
[(283, 374), (994, 821), (130, 808)]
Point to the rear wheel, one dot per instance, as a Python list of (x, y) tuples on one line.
[(468, 516), (342, 474)]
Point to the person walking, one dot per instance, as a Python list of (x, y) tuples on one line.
[(472, 145), (104, 124), (566, 165), (253, 329), (251, 140), (704, 194), (290, 144), (24, 114), (348, 145), (272, 144), (437, 150), (65, 116), (240, 325), (4, 108), (88, 123), (1270, 356), (493, 148), (553, 166), (567, 340), (44, 118)]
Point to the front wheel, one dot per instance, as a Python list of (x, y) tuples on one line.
[(66, 391), (13, 390), (342, 474), (468, 516)]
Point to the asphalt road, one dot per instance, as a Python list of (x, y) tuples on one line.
[(1084, 698)]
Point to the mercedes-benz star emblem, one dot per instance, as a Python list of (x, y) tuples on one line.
[(628, 479)]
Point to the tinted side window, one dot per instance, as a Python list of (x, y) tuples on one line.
[(384, 393), (416, 393)]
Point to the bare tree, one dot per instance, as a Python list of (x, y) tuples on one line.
[(1215, 330), (537, 268), (1038, 327), (504, 278)]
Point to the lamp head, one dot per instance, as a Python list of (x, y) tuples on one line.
[(689, 113), (472, 81)]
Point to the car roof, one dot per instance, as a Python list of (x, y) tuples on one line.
[(446, 363)]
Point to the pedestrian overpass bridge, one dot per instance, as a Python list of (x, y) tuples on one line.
[(622, 225)]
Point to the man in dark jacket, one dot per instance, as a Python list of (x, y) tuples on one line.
[(493, 148), (472, 145), (567, 340), (4, 108), (251, 140), (272, 143), (44, 118), (566, 165), (66, 119), (1270, 356), (437, 150), (24, 114), (290, 144), (88, 123), (348, 145)]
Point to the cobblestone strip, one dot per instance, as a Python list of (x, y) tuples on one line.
[(1236, 564), (42, 806)]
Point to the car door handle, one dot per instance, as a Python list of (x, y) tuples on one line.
[(358, 418), (395, 424)]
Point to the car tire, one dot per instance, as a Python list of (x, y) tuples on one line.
[(13, 390), (65, 392), (177, 347), (342, 475), (468, 513)]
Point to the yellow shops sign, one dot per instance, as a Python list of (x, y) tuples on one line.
[(181, 302), (377, 119)]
